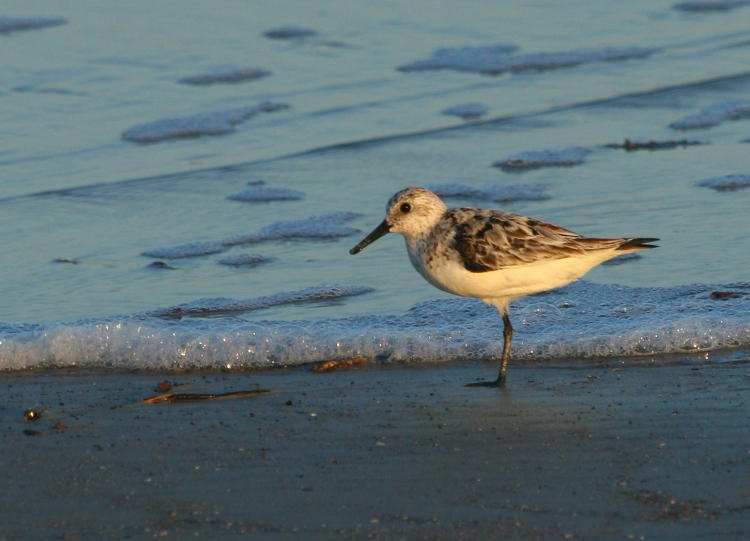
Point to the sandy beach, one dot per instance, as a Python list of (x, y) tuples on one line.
[(566, 451)]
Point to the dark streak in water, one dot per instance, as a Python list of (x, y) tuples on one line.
[(17, 24), (631, 145)]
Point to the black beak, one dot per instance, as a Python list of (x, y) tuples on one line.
[(378, 232)]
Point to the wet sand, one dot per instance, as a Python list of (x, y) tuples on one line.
[(578, 451)]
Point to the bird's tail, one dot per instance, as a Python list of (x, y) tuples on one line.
[(629, 245)]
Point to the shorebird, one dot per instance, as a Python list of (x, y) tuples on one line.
[(492, 255)]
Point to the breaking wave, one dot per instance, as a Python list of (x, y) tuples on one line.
[(582, 320)]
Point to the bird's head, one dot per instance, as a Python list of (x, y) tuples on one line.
[(412, 212)]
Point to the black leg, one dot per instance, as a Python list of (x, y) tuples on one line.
[(507, 338)]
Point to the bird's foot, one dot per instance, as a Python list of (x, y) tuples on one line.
[(495, 383)]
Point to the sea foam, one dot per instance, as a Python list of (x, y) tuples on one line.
[(500, 194), (216, 123), (496, 59), (533, 159), (244, 260), (223, 305), (189, 249), (477, 58), (324, 226), (713, 115), (727, 183), (583, 320)]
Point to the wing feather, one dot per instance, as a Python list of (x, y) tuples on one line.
[(487, 240)]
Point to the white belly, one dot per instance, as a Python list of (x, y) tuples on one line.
[(510, 282)]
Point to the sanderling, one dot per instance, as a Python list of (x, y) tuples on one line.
[(492, 255)]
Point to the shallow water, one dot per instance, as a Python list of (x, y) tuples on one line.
[(356, 131)]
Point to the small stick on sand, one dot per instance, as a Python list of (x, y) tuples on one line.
[(339, 364)]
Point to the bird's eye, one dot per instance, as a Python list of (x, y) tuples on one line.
[(405, 207)]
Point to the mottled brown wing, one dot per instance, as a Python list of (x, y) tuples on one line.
[(488, 240)]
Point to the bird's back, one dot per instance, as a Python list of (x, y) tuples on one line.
[(486, 240)]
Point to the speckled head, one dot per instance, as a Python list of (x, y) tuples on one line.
[(412, 212)]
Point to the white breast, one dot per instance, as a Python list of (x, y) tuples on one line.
[(507, 283)]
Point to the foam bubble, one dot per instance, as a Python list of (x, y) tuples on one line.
[(216, 123), (189, 249), (258, 193), (500, 194), (462, 58), (727, 183), (713, 115), (544, 61), (234, 76), (325, 226), (495, 59), (16, 24), (244, 260), (532, 159), (219, 305)]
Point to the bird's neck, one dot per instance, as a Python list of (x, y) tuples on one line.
[(418, 246)]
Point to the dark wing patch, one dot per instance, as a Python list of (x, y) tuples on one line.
[(488, 240), (476, 253)]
